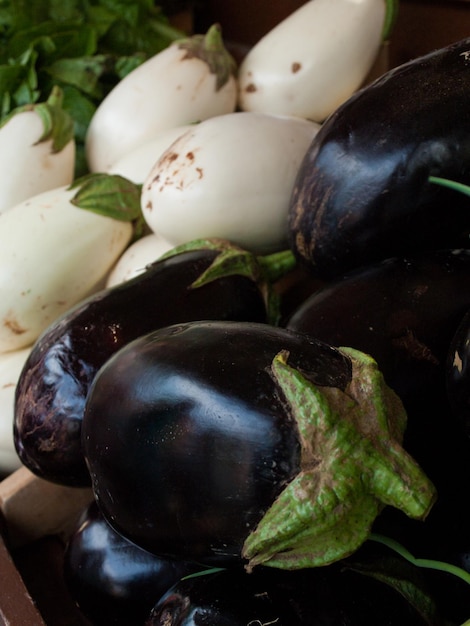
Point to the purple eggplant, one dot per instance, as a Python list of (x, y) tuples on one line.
[(203, 280), (325, 596), (113, 581), (228, 442), (363, 192), (458, 373), (402, 311)]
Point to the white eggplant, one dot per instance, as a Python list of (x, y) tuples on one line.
[(137, 164), (231, 177), (52, 254), (189, 81), (137, 257), (37, 151), (315, 59), (11, 364)]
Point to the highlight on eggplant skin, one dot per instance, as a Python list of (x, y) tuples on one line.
[(363, 193), (52, 388), (113, 581), (403, 311), (328, 596), (458, 374), (228, 442)]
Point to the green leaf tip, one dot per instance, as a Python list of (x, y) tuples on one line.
[(110, 195), (352, 465), (232, 260)]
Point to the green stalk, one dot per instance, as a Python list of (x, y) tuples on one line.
[(440, 566), (277, 265), (233, 260), (451, 184), (391, 13)]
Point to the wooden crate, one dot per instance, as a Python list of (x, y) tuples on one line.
[(38, 515)]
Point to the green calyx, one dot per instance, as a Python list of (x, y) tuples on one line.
[(58, 125), (352, 465), (110, 195), (232, 260), (210, 49)]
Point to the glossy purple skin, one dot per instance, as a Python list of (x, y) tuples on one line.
[(113, 581), (403, 311), (51, 391), (362, 193), (458, 373), (188, 439), (326, 596)]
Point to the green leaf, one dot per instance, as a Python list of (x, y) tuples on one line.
[(101, 19), (83, 46), (125, 65), (109, 195), (81, 109), (83, 73), (9, 77)]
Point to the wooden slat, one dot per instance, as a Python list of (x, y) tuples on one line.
[(34, 508), (16, 605)]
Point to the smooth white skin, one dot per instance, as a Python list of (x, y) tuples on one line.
[(136, 164), (165, 91), (11, 364), (314, 60), (28, 168), (231, 177), (137, 257), (52, 255)]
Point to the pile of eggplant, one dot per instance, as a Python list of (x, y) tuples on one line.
[(272, 451)]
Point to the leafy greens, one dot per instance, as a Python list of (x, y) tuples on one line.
[(83, 46)]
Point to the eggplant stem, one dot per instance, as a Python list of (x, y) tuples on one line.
[(451, 184), (391, 13), (441, 566), (277, 264), (204, 572)]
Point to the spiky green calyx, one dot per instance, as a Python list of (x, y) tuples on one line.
[(352, 465)]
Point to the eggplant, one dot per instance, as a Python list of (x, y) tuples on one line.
[(458, 373), (202, 280), (240, 442), (403, 311), (314, 597), (112, 580), (363, 193)]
